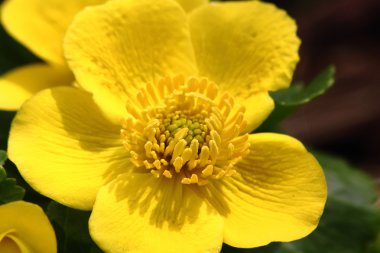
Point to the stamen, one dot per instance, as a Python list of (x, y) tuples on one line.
[(182, 129)]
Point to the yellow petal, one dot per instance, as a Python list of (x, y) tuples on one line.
[(258, 107), (278, 194), (189, 5), (64, 147), (40, 25), (140, 213), (245, 46), (124, 44), (25, 227), (20, 84), (10, 243)]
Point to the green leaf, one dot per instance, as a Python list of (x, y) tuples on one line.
[(71, 228), (3, 157), (9, 190), (346, 182), (300, 94), (374, 247), (288, 100)]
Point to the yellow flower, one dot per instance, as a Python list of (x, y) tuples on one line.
[(24, 228), (40, 26), (184, 91)]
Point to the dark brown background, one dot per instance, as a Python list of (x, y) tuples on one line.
[(346, 120)]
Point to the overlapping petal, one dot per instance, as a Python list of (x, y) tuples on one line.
[(25, 228), (190, 5), (20, 84), (258, 106), (248, 48), (64, 147), (140, 213), (40, 25), (278, 194), (125, 44), (245, 46)]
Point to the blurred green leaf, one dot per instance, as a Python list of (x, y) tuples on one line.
[(347, 183), (3, 157), (71, 228), (300, 94), (288, 100), (374, 247), (9, 190)]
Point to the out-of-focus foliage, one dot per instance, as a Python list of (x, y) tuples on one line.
[(288, 100), (71, 228), (9, 190)]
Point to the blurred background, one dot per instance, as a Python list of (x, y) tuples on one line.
[(346, 120)]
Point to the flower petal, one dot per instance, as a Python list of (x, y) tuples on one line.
[(24, 225), (20, 84), (64, 147), (258, 107), (120, 45), (40, 25), (245, 46), (140, 213), (278, 194), (189, 5)]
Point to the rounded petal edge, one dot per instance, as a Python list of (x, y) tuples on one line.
[(278, 194), (21, 219)]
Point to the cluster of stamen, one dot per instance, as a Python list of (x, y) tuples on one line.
[(181, 129)]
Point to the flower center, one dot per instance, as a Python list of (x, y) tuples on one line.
[(195, 125), (181, 129)]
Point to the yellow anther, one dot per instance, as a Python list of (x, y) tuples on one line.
[(148, 148), (214, 150), (178, 149), (216, 137), (194, 146), (148, 165), (183, 129), (194, 179), (207, 171), (155, 173), (181, 133), (187, 154), (203, 157), (154, 155), (178, 162), (192, 164), (186, 181), (157, 164), (164, 162), (170, 148), (167, 174)]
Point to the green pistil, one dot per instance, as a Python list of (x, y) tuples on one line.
[(197, 128)]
